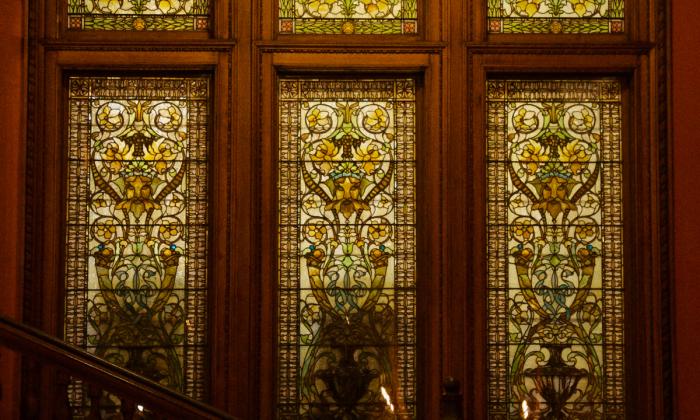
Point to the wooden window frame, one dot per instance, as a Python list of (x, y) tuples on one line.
[(640, 203), (50, 206), (425, 69)]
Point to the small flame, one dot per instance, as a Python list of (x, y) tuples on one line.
[(526, 410), (139, 407), (388, 399)]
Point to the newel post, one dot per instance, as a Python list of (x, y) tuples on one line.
[(451, 407)]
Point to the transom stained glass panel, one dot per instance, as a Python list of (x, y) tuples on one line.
[(556, 16), (555, 277), (136, 232), (348, 16), (138, 15), (347, 287)]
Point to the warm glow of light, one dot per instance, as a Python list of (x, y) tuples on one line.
[(388, 399), (526, 410), (139, 407)]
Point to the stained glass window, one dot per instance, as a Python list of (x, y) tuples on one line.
[(348, 16), (555, 280), (556, 16), (138, 15), (347, 287), (136, 233)]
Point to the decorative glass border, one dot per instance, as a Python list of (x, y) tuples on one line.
[(346, 17), (556, 16), (138, 15)]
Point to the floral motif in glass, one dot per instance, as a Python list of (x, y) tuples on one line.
[(347, 297), (136, 231), (555, 280), (556, 16), (348, 16), (138, 15)]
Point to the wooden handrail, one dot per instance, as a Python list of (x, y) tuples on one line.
[(35, 343)]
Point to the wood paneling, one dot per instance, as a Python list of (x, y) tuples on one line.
[(452, 54), (12, 185), (686, 201)]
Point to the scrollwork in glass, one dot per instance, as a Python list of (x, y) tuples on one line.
[(136, 226), (347, 257), (555, 290)]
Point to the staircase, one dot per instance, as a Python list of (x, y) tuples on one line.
[(138, 398)]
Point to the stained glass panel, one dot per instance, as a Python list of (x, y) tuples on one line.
[(138, 15), (555, 280), (556, 16), (136, 232), (348, 16), (347, 287)]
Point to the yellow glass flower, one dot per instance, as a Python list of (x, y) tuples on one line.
[(325, 153), (533, 153), (109, 6), (583, 7), (527, 7), (105, 231), (113, 158), (318, 121), (316, 232), (376, 121), (369, 155), (575, 153), (321, 7), (377, 231), (109, 118), (169, 230), (525, 120), (169, 118), (384, 201), (376, 8), (522, 232), (168, 6), (585, 231), (581, 121), (162, 156)]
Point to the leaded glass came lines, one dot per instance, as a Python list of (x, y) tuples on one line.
[(348, 16), (136, 228), (138, 15), (556, 16), (555, 285), (347, 296)]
